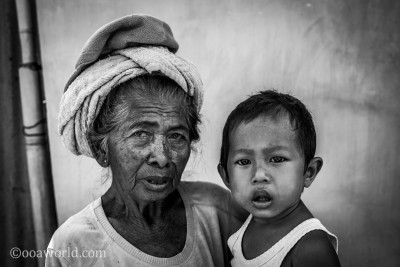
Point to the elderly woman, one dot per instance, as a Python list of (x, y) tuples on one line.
[(133, 105)]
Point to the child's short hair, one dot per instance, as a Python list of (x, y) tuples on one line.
[(271, 103)]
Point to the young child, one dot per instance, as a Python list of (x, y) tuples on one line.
[(267, 158)]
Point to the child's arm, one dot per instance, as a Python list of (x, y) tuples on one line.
[(313, 249)]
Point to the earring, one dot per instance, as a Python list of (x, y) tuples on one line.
[(105, 162)]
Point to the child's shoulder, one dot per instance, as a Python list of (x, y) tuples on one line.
[(313, 249)]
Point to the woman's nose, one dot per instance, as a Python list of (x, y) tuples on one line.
[(158, 153), (261, 174)]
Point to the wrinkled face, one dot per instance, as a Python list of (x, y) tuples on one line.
[(149, 152), (265, 167)]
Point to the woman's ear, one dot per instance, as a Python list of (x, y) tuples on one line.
[(100, 155), (312, 170), (102, 159), (224, 175)]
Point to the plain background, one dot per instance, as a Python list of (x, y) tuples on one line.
[(341, 58)]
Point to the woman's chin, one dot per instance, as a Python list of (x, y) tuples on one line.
[(154, 191)]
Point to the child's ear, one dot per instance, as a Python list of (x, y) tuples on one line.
[(312, 170), (224, 175)]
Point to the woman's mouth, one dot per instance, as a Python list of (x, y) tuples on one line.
[(261, 199), (156, 183)]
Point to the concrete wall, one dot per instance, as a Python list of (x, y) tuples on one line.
[(340, 57)]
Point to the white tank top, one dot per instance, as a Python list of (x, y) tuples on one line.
[(275, 255)]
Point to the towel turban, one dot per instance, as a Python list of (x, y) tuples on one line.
[(119, 51)]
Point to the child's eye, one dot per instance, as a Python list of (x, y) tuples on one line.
[(243, 162), (277, 159)]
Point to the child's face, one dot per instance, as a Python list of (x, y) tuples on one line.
[(265, 167)]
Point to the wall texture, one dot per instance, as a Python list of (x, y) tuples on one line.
[(341, 58)]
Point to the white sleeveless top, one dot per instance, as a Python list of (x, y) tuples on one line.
[(275, 255)]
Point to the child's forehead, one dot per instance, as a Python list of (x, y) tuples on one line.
[(273, 128), (280, 121)]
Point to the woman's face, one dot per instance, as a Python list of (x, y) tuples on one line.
[(149, 152)]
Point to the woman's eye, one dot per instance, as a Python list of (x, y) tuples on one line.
[(277, 159), (141, 134), (176, 137), (243, 162)]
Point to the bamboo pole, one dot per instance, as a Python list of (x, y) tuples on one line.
[(40, 181)]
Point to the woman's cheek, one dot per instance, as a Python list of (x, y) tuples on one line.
[(132, 158), (180, 156)]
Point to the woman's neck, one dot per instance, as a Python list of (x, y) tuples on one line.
[(157, 228), (122, 206)]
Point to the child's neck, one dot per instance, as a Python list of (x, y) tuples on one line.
[(261, 235), (282, 217)]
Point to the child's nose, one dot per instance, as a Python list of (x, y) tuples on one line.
[(261, 175)]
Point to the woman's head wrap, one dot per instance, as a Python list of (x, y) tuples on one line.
[(119, 51)]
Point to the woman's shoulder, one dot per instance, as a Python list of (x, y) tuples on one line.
[(78, 230), (79, 240), (211, 201), (206, 193)]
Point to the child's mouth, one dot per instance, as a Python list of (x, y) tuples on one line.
[(261, 199)]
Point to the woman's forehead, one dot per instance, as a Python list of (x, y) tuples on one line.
[(154, 106), (158, 114), (156, 110), (155, 98)]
